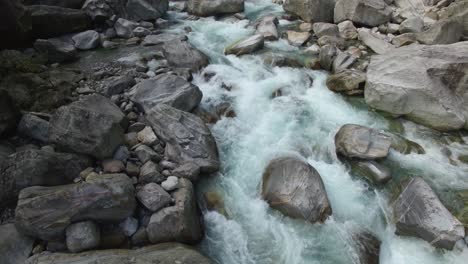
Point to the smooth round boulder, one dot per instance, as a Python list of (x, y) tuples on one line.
[(295, 188), (355, 141)]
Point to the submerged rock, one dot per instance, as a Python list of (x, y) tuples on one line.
[(167, 253), (371, 170), (92, 125), (45, 212), (214, 7), (295, 188), (355, 141), (246, 46), (187, 138), (166, 89), (311, 10), (419, 213), (368, 247)]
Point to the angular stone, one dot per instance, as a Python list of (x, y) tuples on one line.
[(187, 137), (349, 82), (347, 30), (246, 46), (34, 127), (371, 170), (295, 188), (82, 236), (214, 7), (86, 40), (374, 41), (92, 125), (297, 38), (325, 29), (166, 89), (363, 12), (146, 9), (355, 141), (419, 213), (180, 222), (311, 10), (116, 85), (413, 24), (153, 197), (45, 212), (124, 28), (181, 54), (267, 26)]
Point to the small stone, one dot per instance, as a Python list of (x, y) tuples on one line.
[(131, 139), (132, 169), (171, 183), (148, 168), (145, 153), (113, 166), (305, 27), (153, 197), (129, 226), (297, 38), (86, 172), (82, 236), (122, 153), (147, 136)]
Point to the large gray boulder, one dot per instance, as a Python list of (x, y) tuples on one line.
[(167, 253), (426, 84), (214, 7), (33, 127), (14, 246), (188, 139), (295, 188), (355, 141), (246, 46), (180, 222), (166, 89), (45, 212), (9, 114), (311, 10), (181, 54), (369, 13), (53, 21), (419, 213), (92, 125), (38, 167), (56, 50), (146, 9)]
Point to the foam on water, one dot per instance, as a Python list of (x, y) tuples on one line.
[(301, 122)]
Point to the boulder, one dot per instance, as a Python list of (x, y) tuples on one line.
[(82, 236), (180, 222), (412, 24), (167, 253), (181, 54), (371, 170), (166, 89), (442, 32), (188, 139), (14, 247), (374, 41), (267, 26), (56, 50), (369, 13), (419, 213), (116, 85), (458, 11), (53, 21), (347, 30), (214, 7), (124, 28), (100, 10), (92, 125), (86, 40), (295, 188), (153, 197), (15, 24), (421, 82), (368, 247), (146, 9), (246, 46), (327, 56), (311, 10), (9, 114), (325, 29), (33, 127), (38, 167), (349, 82), (297, 38), (45, 212), (355, 141)]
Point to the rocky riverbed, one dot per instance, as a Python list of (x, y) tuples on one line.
[(232, 131)]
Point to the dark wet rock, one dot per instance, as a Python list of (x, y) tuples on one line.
[(9, 114), (295, 188), (349, 82), (53, 21), (38, 167), (100, 10), (214, 7), (56, 50), (187, 137), (311, 10), (93, 126), (368, 247), (180, 222), (116, 85), (166, 89), (187, 170), (34, 127), (246, 46), (363, 12), (82, 236), (14, 246), (355, 141), (124, 28), (149, 173), (214, 202), (45, 212), (371, 170), (424, 83), (86, 40), (181, 54), (166, 253), (15, 21), (153, 197), (146, 9), (406, 146), (419, 213)]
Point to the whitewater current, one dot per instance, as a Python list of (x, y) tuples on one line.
[(303, 121)]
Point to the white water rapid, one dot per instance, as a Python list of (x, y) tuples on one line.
[(303, 121)]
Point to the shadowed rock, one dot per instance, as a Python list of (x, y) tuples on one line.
[(215, 7)]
